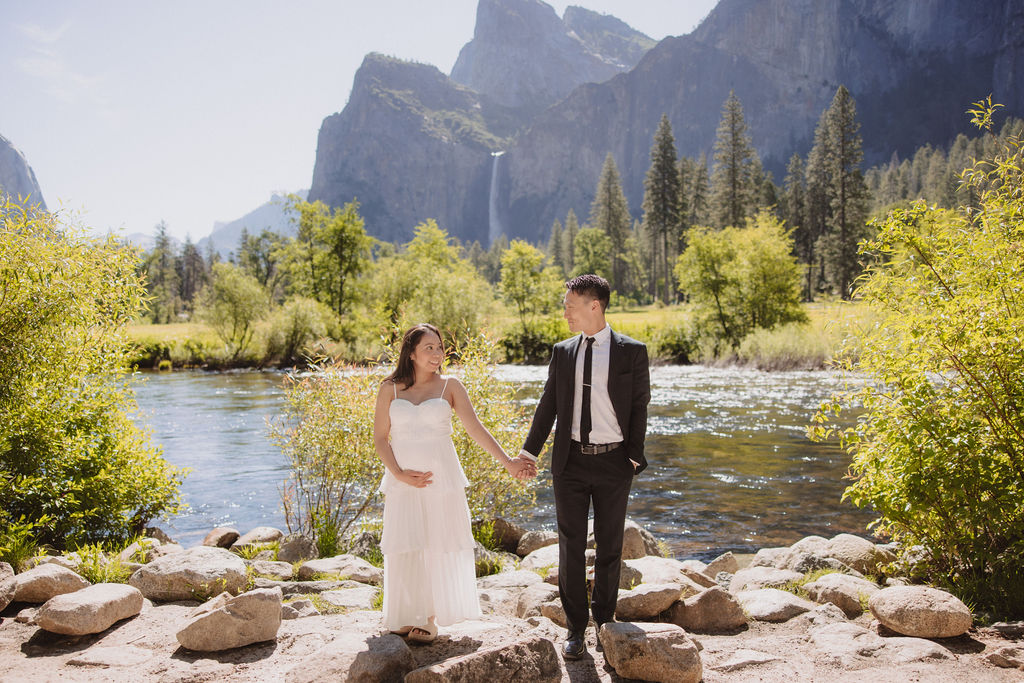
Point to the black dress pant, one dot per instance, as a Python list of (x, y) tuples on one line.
[(603, 480)]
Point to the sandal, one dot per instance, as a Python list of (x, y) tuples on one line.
[(424, 634), (404, 631)]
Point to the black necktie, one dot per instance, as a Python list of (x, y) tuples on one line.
[(585, 420)]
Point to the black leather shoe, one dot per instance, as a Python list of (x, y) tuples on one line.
[(575, 646)]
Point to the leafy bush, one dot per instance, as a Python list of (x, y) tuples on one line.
[(938, 452), (97, 566), (232, 304), (73, 465), (294, 326), (326, 433)]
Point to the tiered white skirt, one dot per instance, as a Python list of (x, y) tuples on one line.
[(429, 566)]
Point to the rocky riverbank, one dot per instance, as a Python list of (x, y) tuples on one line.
[(209, 613)]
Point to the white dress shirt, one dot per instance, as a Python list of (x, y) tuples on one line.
[(604, 428)]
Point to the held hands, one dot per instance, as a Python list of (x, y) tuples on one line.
[(414, 478), (521, 468)]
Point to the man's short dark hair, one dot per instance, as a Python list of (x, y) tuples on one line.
[(593, 286)]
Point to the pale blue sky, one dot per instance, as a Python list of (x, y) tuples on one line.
[(196, 111)]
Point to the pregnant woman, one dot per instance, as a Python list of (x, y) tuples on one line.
[(429, 570)]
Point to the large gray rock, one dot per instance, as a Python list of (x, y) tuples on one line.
[(1007, 657), (532, 597), (844, 591), (139, 551), (695, 570), (260, 534), (221, 537), (7, 590), (553, 610), (712, 611), (854, 551), (363, 597), (651, 652), (849, 646), (753, 578), (534, 540), (351, 656), (507, 534), (279, 571), (297, 609), (90, 610), (44, 581), (191, 574), (772, 604), (293, 588), (541, 558), (344, 566), (6, 571), (767, 557), (664, 570), (530, 659), (226, 622), (646, 601), (511, 580), (920, 611), (726, 562), (296, 548)]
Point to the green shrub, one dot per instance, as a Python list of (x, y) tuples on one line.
[(294, 326), (793, 346), (938, 451), (73, 465), (232, 304), (98, 565), (17, 544)]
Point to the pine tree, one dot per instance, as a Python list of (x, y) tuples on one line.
[(554, 252), (732, 181), (610, 213), (661, 207), (846, 191), (194, 274), (162, 277), (817, 209), (794, 213), (572, 228), (698, 193)]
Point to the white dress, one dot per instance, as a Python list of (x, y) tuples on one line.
[(428, 546)]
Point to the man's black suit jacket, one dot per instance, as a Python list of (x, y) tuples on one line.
[(629, 386)]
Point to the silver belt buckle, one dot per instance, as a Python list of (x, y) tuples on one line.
[(588, 449)]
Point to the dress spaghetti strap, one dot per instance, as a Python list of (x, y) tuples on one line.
[(394, 385), (444, 387)]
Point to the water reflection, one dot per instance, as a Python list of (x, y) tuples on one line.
[(730, 467)]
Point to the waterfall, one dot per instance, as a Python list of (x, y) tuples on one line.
[(494, 229)]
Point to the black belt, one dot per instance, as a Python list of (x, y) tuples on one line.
[(596, 448)]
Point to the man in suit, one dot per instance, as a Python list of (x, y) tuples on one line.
[(598, 388)]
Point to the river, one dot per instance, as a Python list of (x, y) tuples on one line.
[(730, 466)]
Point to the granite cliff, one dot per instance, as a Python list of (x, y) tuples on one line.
[(16, 177), (558, 94)]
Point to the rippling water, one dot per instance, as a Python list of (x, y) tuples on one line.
[(730, 467)]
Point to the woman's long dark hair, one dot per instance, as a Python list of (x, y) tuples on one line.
[(404, 370)]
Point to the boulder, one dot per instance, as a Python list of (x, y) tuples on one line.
[(226, 622), (6, 571), (629, 578), (487, 561), (45, 581), (821, 615), (280, 571), (499, 601), (651, 652), (260, 534), (293, 588), (296, 609), (191, 574), (362, 597), (26, 616), (809, 545), (91, 610), (343, 566), (163, 550), (157, 533), (67, 561), (772, 604), (849, 645), (296, 548), (221, 537), (665, 570), (633, 545), (534, 540), (646, 601), (920, 611), (697, 575), (529, 659), (553, 610), (767, 557), (7, 590), (752, 578), (854, 551), (517, 580), (532, 597), (351, 656), (726, 562), (541, 558), (843, 591), (715, 610)]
